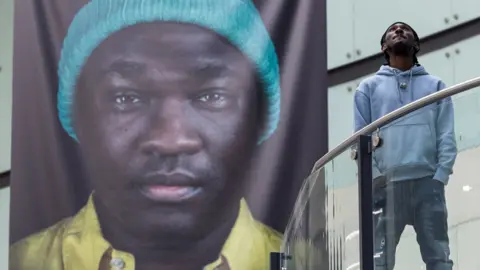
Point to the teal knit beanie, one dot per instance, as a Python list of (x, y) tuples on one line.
[(236, 20)]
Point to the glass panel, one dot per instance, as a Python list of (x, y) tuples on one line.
[(432, 216), (323, 231)]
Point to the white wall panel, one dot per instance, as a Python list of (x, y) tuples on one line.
[(466, 56), (6, 56), (467, 104), (467, 241), (339, 32), (464, 11), (340, 112), (440, 63), (340, 121), (4, 226)]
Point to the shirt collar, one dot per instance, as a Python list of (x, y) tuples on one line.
[(85, 229)]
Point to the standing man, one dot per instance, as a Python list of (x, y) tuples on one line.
[(413, 165), (168, 101)]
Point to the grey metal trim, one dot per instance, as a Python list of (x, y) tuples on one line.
[(4, 179), (447, 92)]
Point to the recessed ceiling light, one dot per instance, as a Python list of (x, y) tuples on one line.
[(467, 188)]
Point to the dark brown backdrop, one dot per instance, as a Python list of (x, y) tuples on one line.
[(47, 180)]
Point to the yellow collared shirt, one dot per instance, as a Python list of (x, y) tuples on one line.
[(77, 243)]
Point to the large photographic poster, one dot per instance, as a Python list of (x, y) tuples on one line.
[(162, 134)]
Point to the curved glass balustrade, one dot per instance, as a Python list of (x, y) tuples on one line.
[(324, 226), (323, 233)]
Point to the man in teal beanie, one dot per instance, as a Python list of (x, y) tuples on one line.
[(168, 101)]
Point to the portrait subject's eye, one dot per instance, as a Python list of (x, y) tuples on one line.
[(127, 101), (214, 100)]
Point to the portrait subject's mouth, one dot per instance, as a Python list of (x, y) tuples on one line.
[(172, 194), (170, 188)]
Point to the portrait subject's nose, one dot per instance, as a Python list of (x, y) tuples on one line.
[(171, 132)]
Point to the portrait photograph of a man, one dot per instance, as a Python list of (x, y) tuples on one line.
[(160, 110), (167, 113)]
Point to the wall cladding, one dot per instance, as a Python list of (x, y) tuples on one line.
[(6, 57), (355, 27)]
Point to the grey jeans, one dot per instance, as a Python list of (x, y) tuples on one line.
[(420, 203)]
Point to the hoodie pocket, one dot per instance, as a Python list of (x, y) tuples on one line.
[(406, 145)]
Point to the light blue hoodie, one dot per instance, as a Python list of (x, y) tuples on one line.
[(418, 145)]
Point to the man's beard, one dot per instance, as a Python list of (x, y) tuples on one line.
[(401, 49)]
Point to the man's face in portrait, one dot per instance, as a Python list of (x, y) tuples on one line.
[(168, 116)]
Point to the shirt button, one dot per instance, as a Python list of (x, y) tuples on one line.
[(117, 263)]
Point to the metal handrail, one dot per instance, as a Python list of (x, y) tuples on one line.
[(388, 118)]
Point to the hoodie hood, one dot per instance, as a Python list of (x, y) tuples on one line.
[(403, 80), (416, 70)]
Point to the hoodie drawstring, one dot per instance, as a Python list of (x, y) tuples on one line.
[(399, 85)]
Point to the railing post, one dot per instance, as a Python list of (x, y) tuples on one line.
[(365, 196), (276, 261)]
